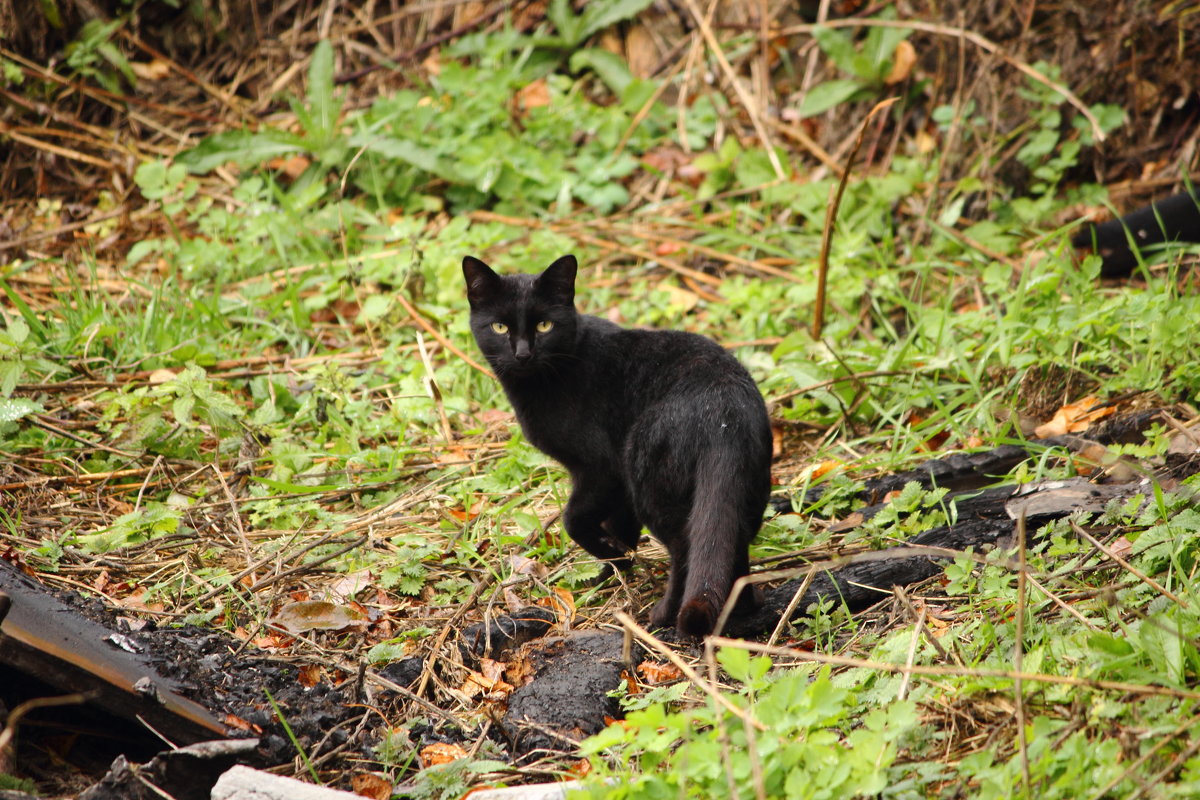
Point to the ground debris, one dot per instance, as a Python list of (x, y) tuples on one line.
[(569, 696)]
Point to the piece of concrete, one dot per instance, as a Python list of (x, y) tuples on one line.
[(244, 783)]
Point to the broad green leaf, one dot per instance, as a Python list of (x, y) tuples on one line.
[(611, 68), (14, 408), (561, 14), (420, 157), (321, 100), (599, 14), (825, 96), (244, 148)]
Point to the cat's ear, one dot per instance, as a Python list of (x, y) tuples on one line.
[(482, 282), (558, 281)]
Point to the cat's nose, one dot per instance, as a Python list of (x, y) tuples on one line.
[(522, 352)]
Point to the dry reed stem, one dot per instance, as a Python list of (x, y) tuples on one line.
[(744, 98), (1132, 570)]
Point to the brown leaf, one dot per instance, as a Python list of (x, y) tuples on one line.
[(533, 95), (441, 753), (902, 63), (368, 784), (562, 602), (239, 724), (491, 685), (641, 53), (311, 615), (153, 70), (653, 672), (1074, 417), (309, 675), (291, 166), (521, 565), (852, 521)]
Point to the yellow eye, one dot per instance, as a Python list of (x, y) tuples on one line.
[(499, 327), (544, 326)]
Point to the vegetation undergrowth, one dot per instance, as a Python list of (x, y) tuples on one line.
[(288, 358)]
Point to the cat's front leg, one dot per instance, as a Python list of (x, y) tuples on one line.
[(600, 521)]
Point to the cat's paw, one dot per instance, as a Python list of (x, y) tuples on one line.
[(662, 615)]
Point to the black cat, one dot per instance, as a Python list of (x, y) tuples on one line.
[(657, 428)]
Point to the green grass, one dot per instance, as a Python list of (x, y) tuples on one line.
[(260, 335)]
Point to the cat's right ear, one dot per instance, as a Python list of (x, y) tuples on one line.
[(482, 282), (557, 282)]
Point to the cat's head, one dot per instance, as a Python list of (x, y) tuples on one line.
[(524, 324)]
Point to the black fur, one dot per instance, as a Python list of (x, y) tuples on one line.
[(657, 428), (1118, 241)]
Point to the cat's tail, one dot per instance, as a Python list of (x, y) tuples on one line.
[(722, 522)]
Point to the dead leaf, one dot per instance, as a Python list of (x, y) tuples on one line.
[(433, 62), (1121, 548), (313, 615), (309, 675), (850, 522), (562, 602), (654, 672), (513, 600), (239, 724), (519, 671), (640, 52), (665, 159), (776, 440), (610, 41), (902, 63), (1074, 417), (451, 456), (492, 687), (668, 248), (441, 753), (291, 166), (680, 298), (926, 142), (533, 95), (153, 70), (162, 376), (368, 784)]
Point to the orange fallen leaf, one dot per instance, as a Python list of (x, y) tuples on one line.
[(822, 467), (561, 602), (441, 753), (153, 70), (239, 724), (487, 682), (533, 95), (1074, 417), (667, 248), (368, 784), (903, 61), (309, 675), (653, 672), (291, 166)]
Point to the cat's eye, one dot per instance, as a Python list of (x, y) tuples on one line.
[(499, 327), (544, 326)]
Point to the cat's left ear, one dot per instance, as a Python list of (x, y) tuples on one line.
[(558, 281), (482, 281)]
